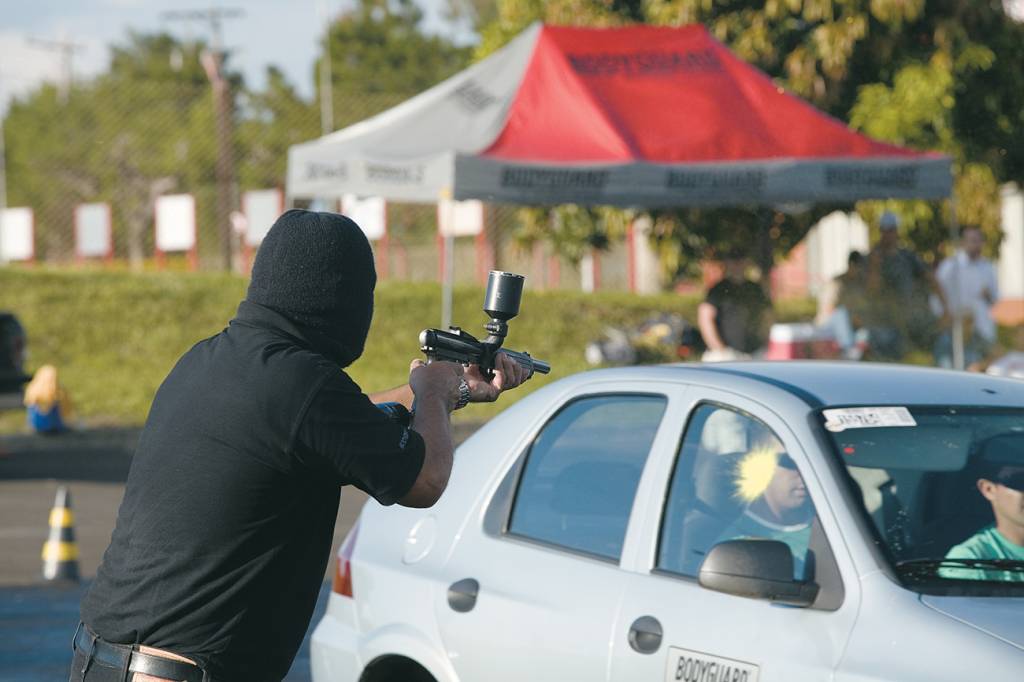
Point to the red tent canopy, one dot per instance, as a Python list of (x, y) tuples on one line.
[(663, 95), (635, 116)]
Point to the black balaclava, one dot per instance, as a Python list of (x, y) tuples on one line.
[(317, 270)]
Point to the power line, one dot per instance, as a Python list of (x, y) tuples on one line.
[(67, 50), (213, 15)]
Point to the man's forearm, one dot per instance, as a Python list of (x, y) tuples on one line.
[(433, 424), (399, 394)]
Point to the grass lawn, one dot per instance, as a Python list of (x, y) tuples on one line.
[(114, 335)]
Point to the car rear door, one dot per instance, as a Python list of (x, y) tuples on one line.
[(671, 628), (535, 578)]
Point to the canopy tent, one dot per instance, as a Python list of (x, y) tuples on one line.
[(639, 116)]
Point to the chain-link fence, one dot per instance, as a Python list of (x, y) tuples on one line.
[(126, 142), (141, 132)]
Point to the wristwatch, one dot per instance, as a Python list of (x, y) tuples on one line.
[(463, 395)]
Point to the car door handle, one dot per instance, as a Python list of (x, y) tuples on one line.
[(462, 594), (645, 634)]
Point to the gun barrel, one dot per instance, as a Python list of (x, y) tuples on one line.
[(528, 361)]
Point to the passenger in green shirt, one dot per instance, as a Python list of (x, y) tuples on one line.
[(1002, 484), (783, 511)]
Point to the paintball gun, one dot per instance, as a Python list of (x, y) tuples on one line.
[(501, 302)]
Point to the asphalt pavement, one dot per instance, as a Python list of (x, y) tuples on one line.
[(38, 618)]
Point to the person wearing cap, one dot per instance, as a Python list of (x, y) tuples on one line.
[(842, 303), (735, 316), (1001, 482), (898, 284), (971, 286), (778, 506), (224, 533)]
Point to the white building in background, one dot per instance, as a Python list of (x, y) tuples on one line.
[(1010, 309), (829, 244)]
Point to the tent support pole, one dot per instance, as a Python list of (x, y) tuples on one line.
[(955, 312), (448, 251)]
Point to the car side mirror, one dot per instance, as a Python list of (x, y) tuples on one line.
[(759, 569)]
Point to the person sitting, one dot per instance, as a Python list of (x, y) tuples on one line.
[(1001, 483), (779, 507), (841, 306), (47, 404)]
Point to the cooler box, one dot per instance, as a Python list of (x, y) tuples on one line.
[(800, 340)]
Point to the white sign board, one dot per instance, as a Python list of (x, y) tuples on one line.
[(175, 222), (369, 213), (261, 207), (92, 230), (1011, 248), (16, 234), (460, 218)]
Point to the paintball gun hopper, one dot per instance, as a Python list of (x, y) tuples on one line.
[(501, 303)]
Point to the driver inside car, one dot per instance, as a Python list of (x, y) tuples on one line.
[(1001, 482), (778, 506)]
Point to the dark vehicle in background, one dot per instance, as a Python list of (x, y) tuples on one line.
[(12, 361)]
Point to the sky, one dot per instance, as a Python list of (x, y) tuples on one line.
[(280, 32)]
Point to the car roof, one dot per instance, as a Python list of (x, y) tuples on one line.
[(819, 383)]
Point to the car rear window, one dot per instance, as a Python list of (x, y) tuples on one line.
[(581, 473)]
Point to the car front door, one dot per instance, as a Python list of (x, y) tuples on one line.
[(739, 473), (535, 577)]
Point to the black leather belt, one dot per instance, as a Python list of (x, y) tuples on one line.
[(115, 656)]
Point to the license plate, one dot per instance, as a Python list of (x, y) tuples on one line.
[(696, 666)]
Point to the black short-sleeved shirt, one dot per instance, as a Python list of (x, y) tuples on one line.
[(223, 536), (740, 310)]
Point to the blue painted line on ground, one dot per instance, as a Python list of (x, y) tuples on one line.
[(37, 623)]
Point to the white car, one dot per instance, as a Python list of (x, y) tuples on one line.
[(737, 522)]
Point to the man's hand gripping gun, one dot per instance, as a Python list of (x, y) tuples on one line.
[(504, 291)]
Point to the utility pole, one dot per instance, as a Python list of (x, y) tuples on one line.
[(326, 90), (3, 165), (3, 184), (213, 64), (67, 50)]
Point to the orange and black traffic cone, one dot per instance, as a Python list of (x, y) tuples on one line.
[(60, 553)]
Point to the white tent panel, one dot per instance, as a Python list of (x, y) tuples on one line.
[(406, 153)]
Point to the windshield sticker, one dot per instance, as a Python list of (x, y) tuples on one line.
[(867, 418), (695, 666)]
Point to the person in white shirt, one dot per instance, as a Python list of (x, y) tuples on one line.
[(969, 281)]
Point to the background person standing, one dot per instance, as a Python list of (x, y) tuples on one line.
[(971, 287), (898, 285), (736, 314)]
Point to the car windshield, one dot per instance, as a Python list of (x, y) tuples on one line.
[(944, 489)]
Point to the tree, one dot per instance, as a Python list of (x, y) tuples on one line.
[(942, 75), (275, 119), (380, 58), (123, 137)]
